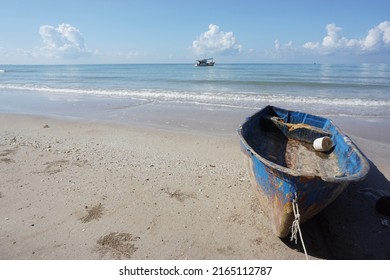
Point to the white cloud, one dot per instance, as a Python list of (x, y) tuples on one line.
[(377, 39), (289, 44), (215, 41), (311, 45), (280, 47), (277, 45), (281, 50), (63, 41)]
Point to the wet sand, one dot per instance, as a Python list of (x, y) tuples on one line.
[(175, 188)]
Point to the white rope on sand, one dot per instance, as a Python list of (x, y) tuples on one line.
[(295, 225)]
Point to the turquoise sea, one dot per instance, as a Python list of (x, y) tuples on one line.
[(358, 90)]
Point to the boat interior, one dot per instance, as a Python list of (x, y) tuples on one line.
[(289, 143)]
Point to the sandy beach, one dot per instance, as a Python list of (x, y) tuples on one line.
[(176, 188)]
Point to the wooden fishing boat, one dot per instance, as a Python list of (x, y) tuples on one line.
[(286, 169)]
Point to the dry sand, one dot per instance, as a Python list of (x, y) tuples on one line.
[(77, 190)]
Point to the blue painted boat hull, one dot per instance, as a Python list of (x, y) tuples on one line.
[(284, 166)]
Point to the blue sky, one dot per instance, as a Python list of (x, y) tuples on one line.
[(173, 31)]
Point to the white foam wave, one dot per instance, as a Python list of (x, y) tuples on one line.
[(242, 100)]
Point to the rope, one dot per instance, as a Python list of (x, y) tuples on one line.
[(295, 225)]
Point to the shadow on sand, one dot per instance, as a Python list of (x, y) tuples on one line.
[(350, 228)]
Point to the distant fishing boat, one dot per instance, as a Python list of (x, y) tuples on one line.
[(288, 167), (205, 62)]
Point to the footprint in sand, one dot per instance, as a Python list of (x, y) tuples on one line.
[(4, 155), (180, 196), (54, 167), (93, 213), (117, 245)]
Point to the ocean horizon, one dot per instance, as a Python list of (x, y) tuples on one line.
[(325, 89)]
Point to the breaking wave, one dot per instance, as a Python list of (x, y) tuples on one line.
[(238, 99)]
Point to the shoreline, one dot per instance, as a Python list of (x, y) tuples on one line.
[(170, 186), (187, 117)]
